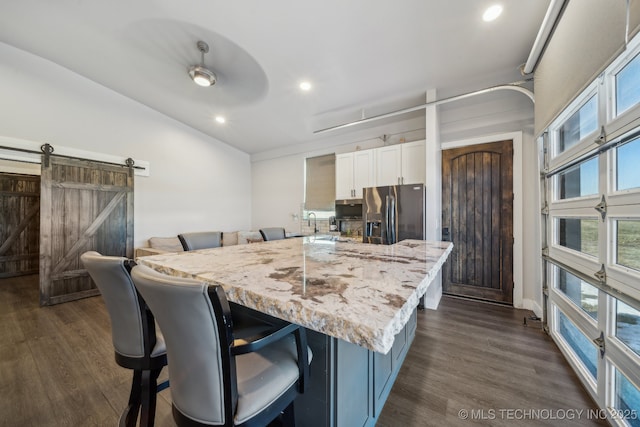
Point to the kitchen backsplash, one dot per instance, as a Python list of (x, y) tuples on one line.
[(351, 228), (347, 228), (322, 224)]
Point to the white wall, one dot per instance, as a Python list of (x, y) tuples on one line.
[(532, 237), (196, 182), (278, 191)]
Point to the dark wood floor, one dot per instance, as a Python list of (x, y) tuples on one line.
[(57, 367)]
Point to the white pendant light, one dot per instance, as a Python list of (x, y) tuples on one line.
[(200, 74)]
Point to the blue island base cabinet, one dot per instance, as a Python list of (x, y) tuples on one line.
[(349, 384)]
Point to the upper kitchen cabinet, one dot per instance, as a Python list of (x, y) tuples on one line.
[(401, 164), (344, 176), (414, 163), (354, 171), (388, 165)]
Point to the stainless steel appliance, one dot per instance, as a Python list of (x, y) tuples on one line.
[(349, 216), (394, 213)]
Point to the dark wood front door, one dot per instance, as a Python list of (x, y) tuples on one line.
[(19, 224), (84, 206), (477, 216)]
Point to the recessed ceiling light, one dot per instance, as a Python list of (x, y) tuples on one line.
[(306, 86), (220, 119), (492, 13)]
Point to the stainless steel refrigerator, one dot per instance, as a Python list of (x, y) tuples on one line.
[(393, 213)]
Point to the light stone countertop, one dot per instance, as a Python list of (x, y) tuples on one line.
[(360, 293)]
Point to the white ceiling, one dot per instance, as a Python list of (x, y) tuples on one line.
[(364, 57)]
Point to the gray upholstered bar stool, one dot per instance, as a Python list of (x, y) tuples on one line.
[(137, 343), (273, 233), (215, 379), (200, 240), (248, 322)]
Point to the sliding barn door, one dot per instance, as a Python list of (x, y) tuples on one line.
[(19, 224), (84, 206)]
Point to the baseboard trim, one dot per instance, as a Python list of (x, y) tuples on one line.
[(532, 305)]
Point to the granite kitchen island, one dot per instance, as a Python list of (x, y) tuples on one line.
[(357, 301)]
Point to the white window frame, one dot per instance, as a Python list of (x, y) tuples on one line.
[(622, 119), (620, 281), (588, 141)]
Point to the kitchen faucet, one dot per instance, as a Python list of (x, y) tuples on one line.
[(315, 221)]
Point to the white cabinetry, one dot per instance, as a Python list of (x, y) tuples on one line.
[(353, 172), (413, 163), (391, 165), (401, 164), (344, 176), (388, 165)]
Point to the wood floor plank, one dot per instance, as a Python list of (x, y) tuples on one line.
[(57, 367), (472, 356), (23, 394)]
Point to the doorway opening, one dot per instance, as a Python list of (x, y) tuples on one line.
[(477, 216), (20, 213)]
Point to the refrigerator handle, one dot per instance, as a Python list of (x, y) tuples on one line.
[(391, 220), (386, 221), (386, 240)]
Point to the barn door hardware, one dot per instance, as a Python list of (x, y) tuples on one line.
[(602, 208), (599, 342), (47, 149), (130, 163)]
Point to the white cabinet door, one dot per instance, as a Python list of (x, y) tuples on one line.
[(388, 165), (344, 176), (413, 163), (363, 171)]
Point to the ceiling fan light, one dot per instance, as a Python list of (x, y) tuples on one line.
[(202, 76), (201, 80)]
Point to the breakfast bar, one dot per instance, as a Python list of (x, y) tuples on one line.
[(357, 301)]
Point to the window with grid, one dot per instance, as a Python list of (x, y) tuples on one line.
[(591, 180)]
